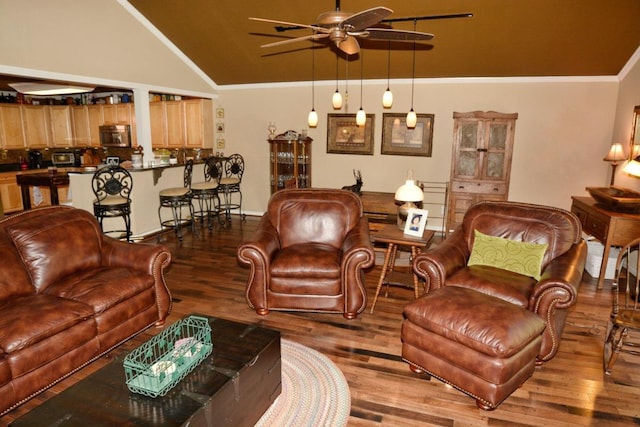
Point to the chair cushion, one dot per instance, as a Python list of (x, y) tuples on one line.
[(313, 260), (229, 181), (112, 201), (174, 192), (519, 257), (204, 186), (478, 321)]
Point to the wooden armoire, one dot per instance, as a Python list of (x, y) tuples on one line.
[(480, 162)]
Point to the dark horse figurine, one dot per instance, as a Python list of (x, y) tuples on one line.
[(357, 186)]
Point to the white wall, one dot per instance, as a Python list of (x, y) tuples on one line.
[(563, 131)]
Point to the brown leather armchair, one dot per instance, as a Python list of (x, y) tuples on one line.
[(562, 265), (309, 253)]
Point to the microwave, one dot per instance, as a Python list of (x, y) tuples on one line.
[(115, 135)]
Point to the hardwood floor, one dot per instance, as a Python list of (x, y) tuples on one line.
[(571, 389)]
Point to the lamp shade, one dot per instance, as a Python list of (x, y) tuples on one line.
[(633, 167), (616, 153), (409, 192)]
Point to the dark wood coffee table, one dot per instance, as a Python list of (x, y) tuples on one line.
[(234, 386)]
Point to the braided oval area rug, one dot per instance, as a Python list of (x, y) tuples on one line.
[(314, 391)]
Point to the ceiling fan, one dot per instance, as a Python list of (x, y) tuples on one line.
[(345, 28)]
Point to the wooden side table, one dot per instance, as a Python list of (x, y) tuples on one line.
[(394, 237), (609, 227)]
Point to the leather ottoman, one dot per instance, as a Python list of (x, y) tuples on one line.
[(481, 345)]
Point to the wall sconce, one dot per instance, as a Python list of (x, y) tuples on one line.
[(615, 154), (409, 193)]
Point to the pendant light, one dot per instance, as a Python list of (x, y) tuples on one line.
[(361, 116), (387, 97), (411, 116), (312, 120), (336, 101)]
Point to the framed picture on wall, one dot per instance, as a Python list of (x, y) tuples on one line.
[(399, 140), (416, 222), (344, 136)]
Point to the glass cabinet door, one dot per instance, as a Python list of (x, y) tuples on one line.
[(290, 158)]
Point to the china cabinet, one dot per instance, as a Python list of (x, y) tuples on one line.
[(290, 157), (480, 162)]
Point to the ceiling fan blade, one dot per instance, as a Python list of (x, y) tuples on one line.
[(430, 17), (350, 45), (297, 39), (273, 21), (366, 18), (395, 35)]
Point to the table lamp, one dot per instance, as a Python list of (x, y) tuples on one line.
[(633, 167), (409, 193), (615, 154)]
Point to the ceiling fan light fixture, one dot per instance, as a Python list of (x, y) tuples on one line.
[(312, 118)]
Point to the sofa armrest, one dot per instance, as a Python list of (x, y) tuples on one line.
[(258, 253), (151, 259), (436, 264), (357, 243)]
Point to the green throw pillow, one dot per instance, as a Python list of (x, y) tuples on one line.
[(519, 257)]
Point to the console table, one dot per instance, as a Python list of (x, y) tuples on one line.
[(609, 227)]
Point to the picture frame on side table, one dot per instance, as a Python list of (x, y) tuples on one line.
[(344, 136), (399, 140), (416, 222)]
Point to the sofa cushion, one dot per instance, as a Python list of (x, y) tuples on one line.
[(307, 260), (512, 255), (14, 280), (103, 287), (67, 242), (25, 321), (478, 321)]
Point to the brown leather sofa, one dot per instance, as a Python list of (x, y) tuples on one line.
[(309, 253), (68, 294), (562, 264)]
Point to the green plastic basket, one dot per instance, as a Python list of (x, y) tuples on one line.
[(161, 363)]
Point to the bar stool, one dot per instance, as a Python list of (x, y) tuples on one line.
[(112, 187), (177, 198), (206, 192), (230, 184)]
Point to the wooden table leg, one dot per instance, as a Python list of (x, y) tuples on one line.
[(383, 274), (416, 281), (26, 197), (603, 266)]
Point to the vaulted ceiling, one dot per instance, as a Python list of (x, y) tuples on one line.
[(504, 38)]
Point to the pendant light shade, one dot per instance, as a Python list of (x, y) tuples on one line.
[(387, 97), (412, 119), (312, 120), (336, 101), (361, 116)]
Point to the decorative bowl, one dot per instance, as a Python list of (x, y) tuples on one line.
[(616, 198)]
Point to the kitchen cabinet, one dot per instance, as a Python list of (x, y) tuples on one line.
[(290, 157), (480, 162), (198, 125), (177, 124), (36, 125), (10, 192), (86, 120), (60, 126), (11, 127)]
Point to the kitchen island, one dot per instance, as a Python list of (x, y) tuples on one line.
[(147, 183)]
